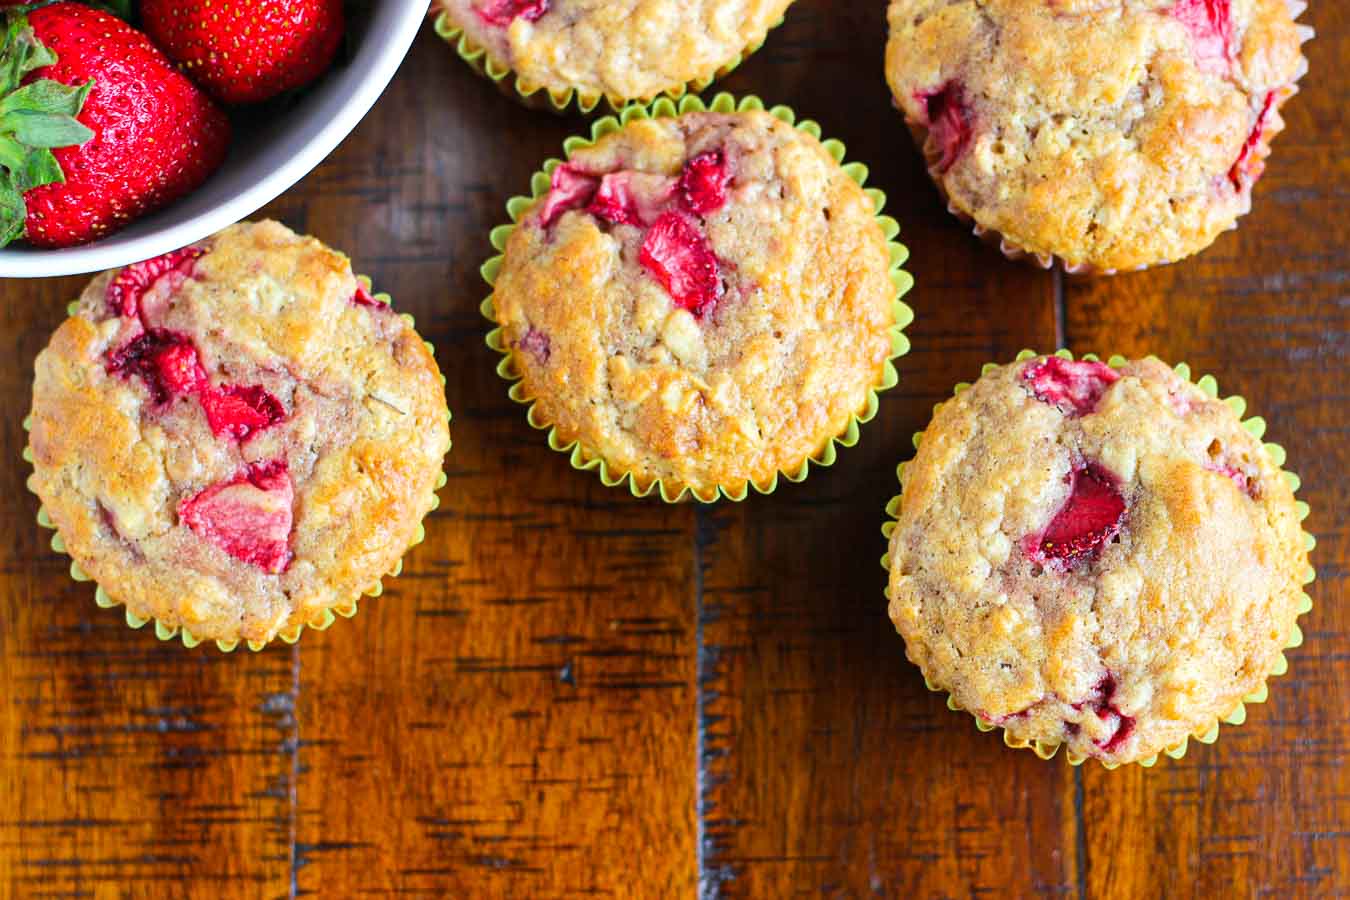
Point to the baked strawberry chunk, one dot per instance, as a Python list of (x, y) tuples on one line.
[(1237, 476), (1248, 167), (249, 516), (503, 12), (165, 360), (240, 411), (1091, 516), (631, 198), (679, 256), (570, 188), (703, 183), (1210, 23), (537, 344), (949, 120), (1074, 386), (1102, 702), (126, 289), (363, 297)]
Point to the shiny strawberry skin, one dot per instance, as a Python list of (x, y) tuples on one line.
[(156, 136), (247, 51)]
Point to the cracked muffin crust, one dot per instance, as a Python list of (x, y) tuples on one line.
[(1097, 557), (620, 49), (1108, 135), (236, 437), (701, 300)]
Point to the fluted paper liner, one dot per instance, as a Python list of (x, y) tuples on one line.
[(319, 622), (582, 457), (1013, 250), (1256, 426), (537, 96)]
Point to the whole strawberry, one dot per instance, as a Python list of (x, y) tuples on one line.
[(247, 51), (96, 126)]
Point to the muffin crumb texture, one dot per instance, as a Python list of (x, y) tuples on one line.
[(1098, 557), (1109, 135), (703, 301), (622, 49), (236, 437)]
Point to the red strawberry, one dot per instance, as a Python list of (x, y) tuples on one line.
[(570, 188), (680, 257), (537, 344), (631, 198), (240, 411), (1090, 517), (249, 516), (125, 291), (1210, 23), (247, 51), (1249, 166), (949, 120), (503, 12), (102, 130), (166, 361), (1075, 386), (703, 184)]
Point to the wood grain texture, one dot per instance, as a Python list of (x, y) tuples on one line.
[(570, 692)]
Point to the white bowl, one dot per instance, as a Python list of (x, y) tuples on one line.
[(261, 164)]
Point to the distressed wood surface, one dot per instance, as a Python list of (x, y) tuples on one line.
[(573, 693)]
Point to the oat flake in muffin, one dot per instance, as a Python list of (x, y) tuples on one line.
[(621, 49), (1097, 557), (1108, 135), (236, 437), (702, 301)]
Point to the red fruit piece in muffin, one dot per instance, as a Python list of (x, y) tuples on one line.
[(949, 121), (536, 343), (569, 189), (138, 279), (703, 184), (165, 360), (1210, 23), (240, 411), (1103, 704), (631, 198), (247, 51), (1248, 167), (503, 12), (1074, 386), (129, 133), (1090, 517), (679, 256), (249, 516)]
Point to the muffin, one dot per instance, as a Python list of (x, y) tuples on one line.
[(1106, 135), (700, 300), (1097, 556), (620, 50), (235, 438)]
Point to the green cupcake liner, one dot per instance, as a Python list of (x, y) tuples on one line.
[(1256, 427), (165, 632), (543, 98), (583, 458)]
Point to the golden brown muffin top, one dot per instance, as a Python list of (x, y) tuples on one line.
[(235, 437), (1103, 558), (703, 300), (1112, 135)]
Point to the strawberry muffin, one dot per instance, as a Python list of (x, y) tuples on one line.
[(701, 301), (1097, 556), (1109, 136), (621, 50), (236, 437)]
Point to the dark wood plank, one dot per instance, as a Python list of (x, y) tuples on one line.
[(127, 767), (828, 768), (1261, 812), (514, 717)]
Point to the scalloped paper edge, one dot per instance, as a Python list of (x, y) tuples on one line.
[(1256, 427), (584, 459), (537, 96), (320, 621)]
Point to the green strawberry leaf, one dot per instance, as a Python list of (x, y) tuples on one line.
[(44, 130), (13, 212), (47, 96)]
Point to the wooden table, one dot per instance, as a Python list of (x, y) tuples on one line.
[(571, 692)]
